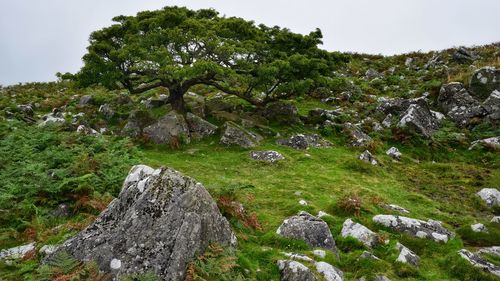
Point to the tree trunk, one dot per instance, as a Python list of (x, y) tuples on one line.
[(176, 99)]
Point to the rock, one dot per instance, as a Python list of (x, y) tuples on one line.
[(84, 130), (387, 122), (438, 116), (50, 119), (319, 115), (301, 141), (368, 255), (160, 221), (329, 272), (399, 105), (236, 135), (219, 102), (489, 143), (303, 202), (358, 137), (484, 81), (26, 109), (372, 74), (492, 105), (153, 103), (198, 127), (322, 214), (86, 99), (16, 252), (418, 119), (106, 111), (195, 103), (479, 262), (479, 227), (360, 233), (381, 278), (368, 157), (48, 250), (406, 255), (137, 121), (312, 230), (62, 211), (319, 253), (294, 271), (281, 112), (490, 196), (494, 250), (170, 129), (430, 229), (268, 156), (434, 61), (458, 104), (295, 256), (394, 153), (462, 55), (495, 219), (396, 208)]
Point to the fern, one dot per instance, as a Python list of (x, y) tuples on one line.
[(63, 263)]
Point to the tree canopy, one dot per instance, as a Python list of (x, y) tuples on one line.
[(178, 48)]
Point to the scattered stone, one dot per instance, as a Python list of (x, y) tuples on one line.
[(462, 55), (358, 137), (86, 99), (199, 128), (303, 202), (399, 105), (406, 255), (490, 196), (396, 208), (479, 262), (295, 256), (360, 233), (319, 115), (268, 156), (319, 253), (430, 229), (236, 135), (51, 119), (368, 255), (294, 271), (484, 81), (387, 122), (372, 74), (489, 143), (322, 214), (419, 119), (153, 103), (492, 106), (368, 157), (282, 112), (329, 272), (27, 109), (301, 141), (106, 111), (495, 219), (381, 278), (494, 250), (84, 130), (16, 253), (48, 250), (314, 231), (170, 129), (394, 153), (160, 221), (479, 227), (297, 193), (434, 62)]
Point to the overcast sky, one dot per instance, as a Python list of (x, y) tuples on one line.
[(41, 37)]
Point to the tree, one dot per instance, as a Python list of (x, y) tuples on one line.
[(178, 48)]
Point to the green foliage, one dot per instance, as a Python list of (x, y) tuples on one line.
[(216, 263), (463, 270)]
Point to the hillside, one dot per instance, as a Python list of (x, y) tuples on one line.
[(67, 150)]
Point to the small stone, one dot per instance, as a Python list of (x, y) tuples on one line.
[(47, 250), (479, 227), (303, 202), (322, 214), (360, 233), (319, 253), (490, 196), (368, 157), (115, 264), (394, 153), (294, 271), (406, 255), (495, 219), (16, 252), (267, 156)]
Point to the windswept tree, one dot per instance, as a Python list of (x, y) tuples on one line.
[(177, 48)]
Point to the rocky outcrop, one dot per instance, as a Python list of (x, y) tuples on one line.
[(294, 271), (301, 141), (462, 55), (366, 156), (319, 115), (418, 119), (360, 233), (199, 128), (358, 137), (267, 156), (490, 196), (314, 231), (237, 135), (158, 223), (195, 103), (406, 255), (479, 262), (171, 128), (484, 81), (492, 106), (51, 119), (430, 229), (489, 143), (84, 130)]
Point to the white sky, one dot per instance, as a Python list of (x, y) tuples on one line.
[(41, 37)]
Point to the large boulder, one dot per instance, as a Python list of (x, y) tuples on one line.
[(171, 128), (484, 81), (294, 271), (419, 119), (360, 233), (367, 157), (430, 229), (137, 121), (462, 55), (237, 135), (458, 104), (158, 223), (281, 112), (313, 230), (301, 141), (329, 272), (490, 196), (399, 105), (199, 128)]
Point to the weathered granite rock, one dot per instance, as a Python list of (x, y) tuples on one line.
[(479, 227), (267, 156), (237, 135), (494, 250), (394, 153), (300, 257), (294, 271), (51, 119), (387, 122), (462, 55), (301, 141), (358, 137), (360, 233), (479, 262), (84, 130), (381, 278), (435, 61), (199, 128), (418, 119), (319, 115), (490, 196), (430, 229), (329, 272), (458, 104), (106, 111), (484, 81), (26, 109), (399, 105), (171, 128), (281, 112), (48, 250), (158, 223), (396, 208), (319, 253), (406, 255), (492, 106), (137, 121), (368, 157), (495, 219), (489, 143), (16, 252), (372, 74), (314, 231)]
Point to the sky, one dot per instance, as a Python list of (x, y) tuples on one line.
[(41, 37)]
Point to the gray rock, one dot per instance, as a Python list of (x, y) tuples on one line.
[(434, 62), (51, 120), (368, 255), (406, 255), (358, 137), (294, 271), (195, 103), (462, 55), (459, 104), (160, 221), (199, 128), (48, 250), (494, 250), (399, 105), (360, 233), (237, 135), (394, 153), (319, 115), (430, 229), (281, 112), (381, 278), (314, 231), (300, 257), (268, 156), (495, 219), (84, 130), (106, 111), (16, 252), (301, 141), (479, 262), (387, 122), (396, 208), (484, 81), (171, 128), (419, 119), (62, 211), (27, 109), (492, 106), (86, 99), (136, 123), (368, 157), (490, 196), (329, 272), (489, 143), (372, 74), (319, 253), (479, 227)]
